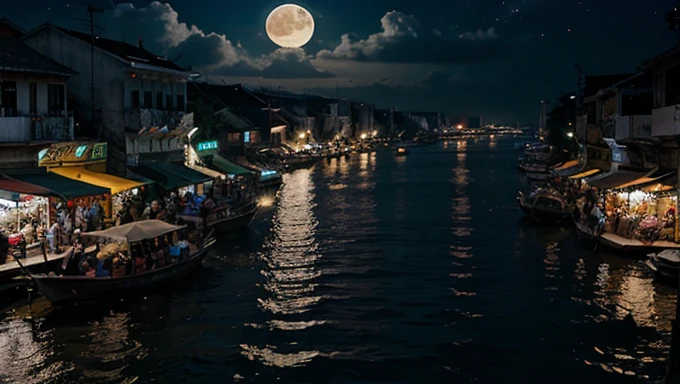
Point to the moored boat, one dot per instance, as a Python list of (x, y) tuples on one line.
[(129, 271), (544, 206), (665, 264)]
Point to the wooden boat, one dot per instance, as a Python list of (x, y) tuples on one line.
[(225, 219), (544, 206), (665, 264), (67, 290), (584, 231), (401, 151)]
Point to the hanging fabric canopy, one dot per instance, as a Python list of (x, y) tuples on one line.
[(114, 183), (136, 231)]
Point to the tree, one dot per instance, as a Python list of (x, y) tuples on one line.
[(564, 147)]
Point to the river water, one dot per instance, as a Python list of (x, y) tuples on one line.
[(377, 269)]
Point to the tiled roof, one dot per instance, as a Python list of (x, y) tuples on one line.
[(16, 56), (125, 51)]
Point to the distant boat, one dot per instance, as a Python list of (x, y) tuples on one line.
[(401, 151)]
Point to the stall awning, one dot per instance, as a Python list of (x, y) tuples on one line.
[(652, 178), (662, 184), (62, 185), (207, 171), (114, 183), (171, 176), (228, 167), (16, 186), (568, 164), (617, 179), (584, 174)]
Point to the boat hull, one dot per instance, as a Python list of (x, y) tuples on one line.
[(70, 290), (667, 273), (235, 222), (541, 216)]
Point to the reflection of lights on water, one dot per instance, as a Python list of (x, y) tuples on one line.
[(23, 358), (461, 144), (266, 201), (270, 358)]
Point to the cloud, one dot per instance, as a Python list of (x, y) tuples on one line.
[(404, 39), (208, 52)]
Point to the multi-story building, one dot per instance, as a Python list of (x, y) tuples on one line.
[(122, 90), (33, 102)]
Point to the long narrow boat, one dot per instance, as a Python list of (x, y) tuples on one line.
[(544, 206), (225, 218), (222, 220), (69, 290)]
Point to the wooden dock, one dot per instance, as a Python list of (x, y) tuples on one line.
[(33, 261), (620, 243)]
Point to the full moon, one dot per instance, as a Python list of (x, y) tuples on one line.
[(290, 26)]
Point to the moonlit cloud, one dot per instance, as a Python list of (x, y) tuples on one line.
[(404, 39)]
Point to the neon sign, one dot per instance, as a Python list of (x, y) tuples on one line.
[(207, 145)]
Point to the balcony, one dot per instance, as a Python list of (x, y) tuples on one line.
[(633, 127), (666, 121), (136, 119), (27, 129)]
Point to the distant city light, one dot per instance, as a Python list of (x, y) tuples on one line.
[(572, 97), (459, 126)]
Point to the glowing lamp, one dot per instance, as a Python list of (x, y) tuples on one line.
[(363, 136), (70, 204), (459, 126), (302, 136), (133, 75), (570, 134)]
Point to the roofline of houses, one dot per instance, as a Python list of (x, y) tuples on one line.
[(38, 71), (660, 57), (11, 24), (132, 64)]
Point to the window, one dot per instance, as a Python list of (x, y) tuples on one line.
[(55, 99), (148, 99), (159, 100), (180, 102), (32, 98), (246, 137), (168, 101), (8, 98), (134, 99)]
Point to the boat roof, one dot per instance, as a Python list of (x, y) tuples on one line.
[(136, 231)]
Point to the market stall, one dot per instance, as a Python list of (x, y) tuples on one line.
[(121, 189), (24, 207), (634, 213)]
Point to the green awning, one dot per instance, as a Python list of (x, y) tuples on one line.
[(170, 176), (64, 186), (225, 166)]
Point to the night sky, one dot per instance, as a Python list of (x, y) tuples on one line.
[(490, 57)]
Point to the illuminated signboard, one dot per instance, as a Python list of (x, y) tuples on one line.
[(207, 145), (72, 153)]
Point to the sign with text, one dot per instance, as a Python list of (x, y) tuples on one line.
[(75, 153), (207, 145)]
